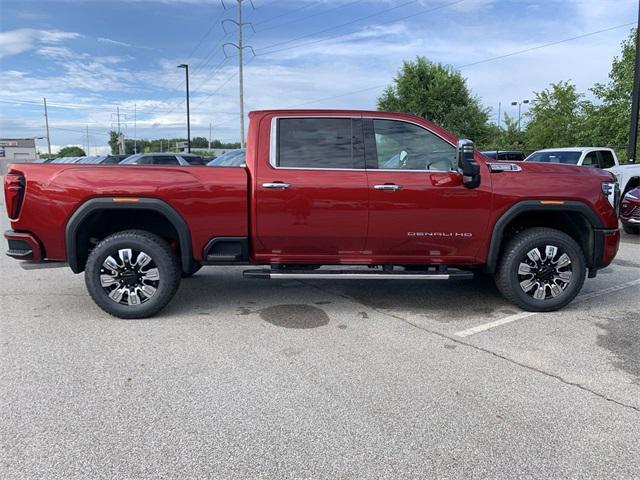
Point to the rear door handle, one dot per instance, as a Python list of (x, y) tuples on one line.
[(276, 185), (387, 186)]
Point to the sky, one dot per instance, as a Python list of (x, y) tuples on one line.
[(91, 57)]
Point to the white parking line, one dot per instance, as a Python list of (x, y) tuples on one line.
[(519, 316)]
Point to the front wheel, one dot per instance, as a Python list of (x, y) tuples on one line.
[(541, 270), (132, 274)]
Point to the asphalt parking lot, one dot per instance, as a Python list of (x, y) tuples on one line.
[(285, 379)]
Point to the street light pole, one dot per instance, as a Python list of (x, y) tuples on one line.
[(635, 100), (186, 71), (519, 110), (46, 121)]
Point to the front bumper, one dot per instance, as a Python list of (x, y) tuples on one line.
[(606, 244), (23, 246)]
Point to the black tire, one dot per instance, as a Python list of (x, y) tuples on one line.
[(138, 241), (191, 272), (630, 228), (508, 279)]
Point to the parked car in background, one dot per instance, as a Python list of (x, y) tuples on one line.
[(507, 155), (65, 160), (628, 176), (102, 159), (630, 212), (183, 159), (232, 158)]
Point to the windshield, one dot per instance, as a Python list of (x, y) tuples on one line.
[(555, 157), (234, 158)]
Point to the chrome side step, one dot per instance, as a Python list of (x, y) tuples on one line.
[(273, 274)]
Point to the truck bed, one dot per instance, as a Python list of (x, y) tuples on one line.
[(211, 200)]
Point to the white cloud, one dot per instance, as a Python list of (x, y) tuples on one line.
[(114, 42), (21, 40)]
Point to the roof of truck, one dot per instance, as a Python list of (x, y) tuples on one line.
[(573, 149)]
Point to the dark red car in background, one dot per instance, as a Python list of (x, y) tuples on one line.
[(630, 212)]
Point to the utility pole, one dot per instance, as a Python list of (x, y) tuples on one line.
[(120, 141), (240, 46), (635, 100), (46, 121), (88, 146), (135, 129), (209, 138)]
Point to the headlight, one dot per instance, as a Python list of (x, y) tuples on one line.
[(612, 192)]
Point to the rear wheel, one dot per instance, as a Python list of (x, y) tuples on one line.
[(541, 270), (132, 274)]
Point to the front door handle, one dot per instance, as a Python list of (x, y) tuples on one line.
[(387, 186), (276, 185)]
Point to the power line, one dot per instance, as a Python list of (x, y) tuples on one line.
[(486, 60), (317, 14), (335, 27), (303, 7), (333, 37)]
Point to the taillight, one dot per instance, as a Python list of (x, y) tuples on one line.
[(13, 193)]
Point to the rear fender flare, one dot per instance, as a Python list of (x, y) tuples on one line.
[(100, 204)]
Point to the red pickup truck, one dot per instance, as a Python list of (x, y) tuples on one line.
[(324, 195)]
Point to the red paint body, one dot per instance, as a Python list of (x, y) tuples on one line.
[(327, 216)]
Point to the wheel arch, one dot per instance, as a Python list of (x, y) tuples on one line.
[(95, 206), (582, 224)]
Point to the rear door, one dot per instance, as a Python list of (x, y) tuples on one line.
[(419, 210), (311, 190)]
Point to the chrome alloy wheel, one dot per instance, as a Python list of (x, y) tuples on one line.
[(132, 279), (547, 276)]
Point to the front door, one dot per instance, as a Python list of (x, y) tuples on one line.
[(419, 209), (311, 192)]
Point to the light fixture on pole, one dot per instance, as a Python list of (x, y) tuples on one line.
[(186, 71)]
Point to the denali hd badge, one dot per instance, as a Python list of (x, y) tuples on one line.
[(439, 234)]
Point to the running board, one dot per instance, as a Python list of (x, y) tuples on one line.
[(272, 274)]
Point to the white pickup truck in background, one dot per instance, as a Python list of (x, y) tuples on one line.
[(628, 176)]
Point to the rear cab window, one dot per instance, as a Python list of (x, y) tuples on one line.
[(318, 143)]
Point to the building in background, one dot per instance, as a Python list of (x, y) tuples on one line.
[(14, 150)]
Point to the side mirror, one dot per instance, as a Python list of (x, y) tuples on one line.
[(466, 163)]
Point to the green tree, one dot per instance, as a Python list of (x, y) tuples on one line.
[(556, 117), (439, 93), (607, 120), (71, 152), (113, 142)]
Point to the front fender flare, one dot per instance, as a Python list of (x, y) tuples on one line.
[(533, 206)]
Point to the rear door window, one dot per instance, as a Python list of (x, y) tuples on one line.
[(318, 143)]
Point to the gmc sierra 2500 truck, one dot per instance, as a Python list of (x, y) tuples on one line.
[(324, 195)]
